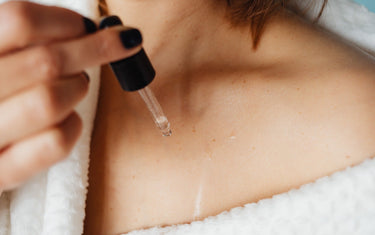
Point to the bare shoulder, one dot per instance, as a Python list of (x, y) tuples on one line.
[(317, 107), (337, 100)]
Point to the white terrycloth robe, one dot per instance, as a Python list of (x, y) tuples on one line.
[(53, 202)]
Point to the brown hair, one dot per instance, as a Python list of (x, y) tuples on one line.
[(253, 12), (257, 12), (103, 10)]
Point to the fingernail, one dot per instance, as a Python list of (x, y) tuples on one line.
[(130, 38), (110, 21), (86, 76), (90, 25)]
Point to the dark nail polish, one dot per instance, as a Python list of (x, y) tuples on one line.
[(90, 25), (131, 38), (86, 76), (109, 22)]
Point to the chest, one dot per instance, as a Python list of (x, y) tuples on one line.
[(223, 158)]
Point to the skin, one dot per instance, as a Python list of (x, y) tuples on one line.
[(246, 124), (43, 52)]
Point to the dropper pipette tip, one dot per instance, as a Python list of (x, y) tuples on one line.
[(154, 107)]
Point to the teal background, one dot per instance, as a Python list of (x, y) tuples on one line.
[(370, 4)]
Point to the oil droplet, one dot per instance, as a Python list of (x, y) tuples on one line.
[(164, 126), (166, 132), (210, 156), (198, 202)]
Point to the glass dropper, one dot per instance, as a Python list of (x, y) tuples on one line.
[(155, 109), (136, 72)]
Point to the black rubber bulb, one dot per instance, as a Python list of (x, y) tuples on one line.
[(135, 72)]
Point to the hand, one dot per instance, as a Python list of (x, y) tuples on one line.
[(43, 52)]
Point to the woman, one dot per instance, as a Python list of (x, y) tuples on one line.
[(247, 123)]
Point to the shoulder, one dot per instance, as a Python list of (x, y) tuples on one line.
[(334, 75), (338, 104), (323, 91)]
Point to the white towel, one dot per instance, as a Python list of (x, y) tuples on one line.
[(54, 201), (342, 204)]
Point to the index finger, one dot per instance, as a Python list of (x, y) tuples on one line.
[(56, 60), (24, 23), (106, 46)]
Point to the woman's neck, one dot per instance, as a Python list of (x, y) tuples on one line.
[(188, 36)]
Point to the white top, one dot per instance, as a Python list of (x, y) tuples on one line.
[(53, 203)]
